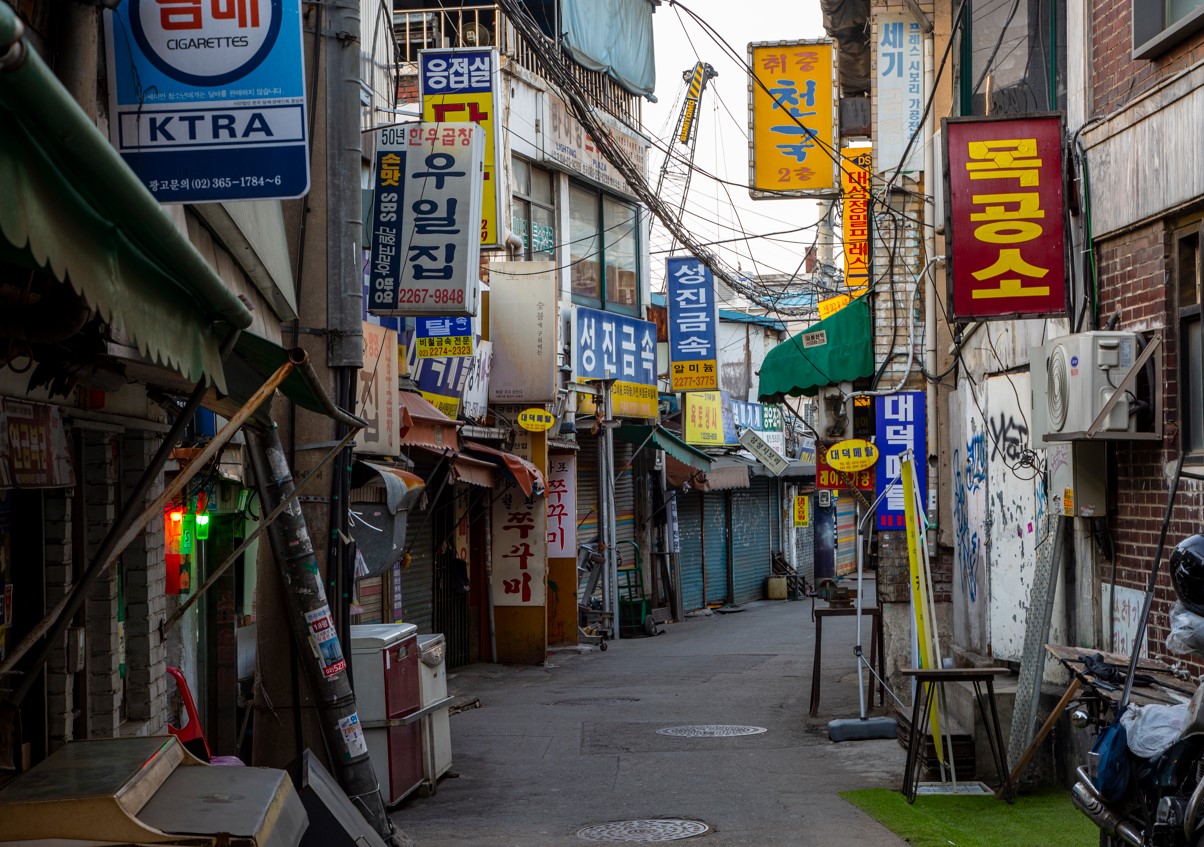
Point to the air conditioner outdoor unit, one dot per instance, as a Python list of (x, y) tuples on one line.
[(1073, 378)]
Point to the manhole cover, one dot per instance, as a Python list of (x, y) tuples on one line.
[(662, 829), (711, 730), (596, 701)]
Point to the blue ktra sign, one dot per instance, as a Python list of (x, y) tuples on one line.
[(207, 98), (901, 424)]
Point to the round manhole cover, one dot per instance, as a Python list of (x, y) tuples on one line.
[(645, 831), (711, 730)]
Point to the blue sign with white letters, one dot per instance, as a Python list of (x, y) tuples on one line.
[(693, 326), (901, 424), (607, 345), (207, 98)]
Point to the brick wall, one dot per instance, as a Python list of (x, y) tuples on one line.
[(1117, 77), (101, 464), (146, 600)]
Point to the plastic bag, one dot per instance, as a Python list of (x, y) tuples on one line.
[(1152, 729), (1187, 631), (1113, 768)]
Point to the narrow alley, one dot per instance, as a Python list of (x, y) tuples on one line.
[(555, 749)]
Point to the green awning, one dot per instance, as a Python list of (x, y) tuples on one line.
[(640, 435), (837, 349), (75, 209)]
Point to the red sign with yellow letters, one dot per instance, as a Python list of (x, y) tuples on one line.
[(1005, 217)]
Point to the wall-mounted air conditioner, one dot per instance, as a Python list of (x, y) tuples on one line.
[(1074, 379)]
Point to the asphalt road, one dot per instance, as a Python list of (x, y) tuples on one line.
[(554, 749)]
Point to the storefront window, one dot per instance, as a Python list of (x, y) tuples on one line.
[(605, 258), (533, 211)]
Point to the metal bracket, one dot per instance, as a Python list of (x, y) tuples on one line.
[(1125, 384)]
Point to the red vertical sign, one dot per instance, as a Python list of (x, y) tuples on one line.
[(1005, 217)]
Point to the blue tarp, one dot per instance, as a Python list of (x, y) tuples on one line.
[(614, 37)]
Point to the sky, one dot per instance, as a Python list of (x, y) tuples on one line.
[(723, 135)]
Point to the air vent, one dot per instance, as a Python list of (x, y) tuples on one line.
[(1057, 390)]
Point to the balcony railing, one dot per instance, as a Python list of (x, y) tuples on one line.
[(487, 26)]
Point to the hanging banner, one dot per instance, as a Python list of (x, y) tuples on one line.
[(462, 85), (562, 506), (792, 119), (425, 254), (1005, 211), (436, 338), (607, 345), (524, 324), (898, 90), (901, 424), (855, 221), (207, 100), (693, 326), (377, 399), (520, 549)]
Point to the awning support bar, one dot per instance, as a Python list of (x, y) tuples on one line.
[(60, 616), (250, 539)]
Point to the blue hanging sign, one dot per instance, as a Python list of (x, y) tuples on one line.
[(207, 98), (693, 320), (901, 424)]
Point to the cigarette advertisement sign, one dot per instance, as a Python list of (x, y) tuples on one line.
[(792, 119), (1007, 246), (425, 251), (207, 99), (462, 85), (693, 321)]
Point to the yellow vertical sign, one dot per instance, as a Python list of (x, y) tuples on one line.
[(702, 418), (792, 119), (461, 85), (855, 217), (802, 510)]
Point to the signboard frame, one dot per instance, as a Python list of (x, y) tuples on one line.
[(693, 348)]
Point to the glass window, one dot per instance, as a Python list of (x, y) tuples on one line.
[(533, 211), (585, 245), (1191, 338), (1177, 10), (1160, 26), (604, 250), (622, 287)]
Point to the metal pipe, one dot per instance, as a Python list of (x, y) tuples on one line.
[(56, 622), (306, 372), (1093, 805)]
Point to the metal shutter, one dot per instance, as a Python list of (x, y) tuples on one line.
[(418, 580), (804, 545), (624, 501), (753, 519), (714, 539), (689, 560), (587, 501)]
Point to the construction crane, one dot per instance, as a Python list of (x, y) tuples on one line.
[(678, 166)]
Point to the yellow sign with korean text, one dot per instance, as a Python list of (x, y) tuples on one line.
[(792, 119), (627, 400), (536, 420), (449, 406), (802, 510), (442, 348), (827, 308), (855, 216), (852, 455), (462, 85), (702, 418)]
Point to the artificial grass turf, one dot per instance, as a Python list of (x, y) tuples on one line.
[(1045, 819)]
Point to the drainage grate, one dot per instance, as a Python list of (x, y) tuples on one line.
[(645, 831), (711, 730), (596, 701)]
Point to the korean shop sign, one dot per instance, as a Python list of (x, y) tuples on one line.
[(207, 98), (852, 455), (461, 85), (607, 345), (441, 337), (828, 477), (1007, 247), (693, 321), (855, 219), (802, 510), (520, 548), (899, 89), (425, 252), (792, 119), (704, 422), (901, 425), (536, 420)]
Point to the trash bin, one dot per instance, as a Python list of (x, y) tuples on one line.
[(436, 736), (387, 691)]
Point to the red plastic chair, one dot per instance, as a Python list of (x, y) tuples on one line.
[(191, 735)]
